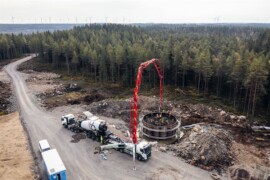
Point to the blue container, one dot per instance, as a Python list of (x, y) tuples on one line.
[(55, 168)]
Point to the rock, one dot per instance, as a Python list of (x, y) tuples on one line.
[(197, 128), (242, 118), (163, 149), (222, 113), (232, 117), (215, 176), (202, 158), (244, 172)]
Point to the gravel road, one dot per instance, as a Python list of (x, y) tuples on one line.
[(79, 158)]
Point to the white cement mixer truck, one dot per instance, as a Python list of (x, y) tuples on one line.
[(94, 127), (97, 130)]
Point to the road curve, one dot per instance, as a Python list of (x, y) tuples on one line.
[(79, 158)]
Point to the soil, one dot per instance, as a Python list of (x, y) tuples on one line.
[(207, 146), (246, 172), (16, 161), (7, 99), (250, 154), (226, 138), (52, 91), (77, 137), (4, 96), (168, 173)]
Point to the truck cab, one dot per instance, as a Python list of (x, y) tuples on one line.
[(68, 120), (143, 151), (44, 145)]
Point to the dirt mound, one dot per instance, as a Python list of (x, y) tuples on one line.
[(207, 146), (244, 172), (78, 137), (116, 108), (112, 108), (93, 97), (191, 114)]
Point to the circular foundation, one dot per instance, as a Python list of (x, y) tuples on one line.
[(159, 125)]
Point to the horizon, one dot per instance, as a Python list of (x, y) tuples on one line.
[(134, 11), (150, 23)]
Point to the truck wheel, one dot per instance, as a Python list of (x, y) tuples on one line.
[(139, 157), (121, 150), (65, 126), (91, 136)]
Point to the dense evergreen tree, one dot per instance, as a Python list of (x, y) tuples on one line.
[(231, 62)]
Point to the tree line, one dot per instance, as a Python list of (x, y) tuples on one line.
[(230, 62)]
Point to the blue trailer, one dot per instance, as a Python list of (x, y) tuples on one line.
[(55, 168)]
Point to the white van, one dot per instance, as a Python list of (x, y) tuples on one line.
[(44, 145)]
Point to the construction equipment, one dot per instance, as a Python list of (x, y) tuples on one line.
[(55, 169), (142, 153), (44, 145), (134, 107), (96, 129)]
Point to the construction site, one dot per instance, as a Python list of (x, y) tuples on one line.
[(216, 143)]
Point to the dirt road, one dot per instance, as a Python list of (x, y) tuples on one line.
[(79, 158)]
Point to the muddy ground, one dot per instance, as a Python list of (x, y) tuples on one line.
[(218, 141)]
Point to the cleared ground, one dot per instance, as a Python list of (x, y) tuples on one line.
[(16, 161), (53, 93), (79, 158)]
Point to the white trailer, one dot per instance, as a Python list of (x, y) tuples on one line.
[(55, 168)]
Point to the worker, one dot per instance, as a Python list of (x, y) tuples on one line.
[(163, 111), (101, 139)]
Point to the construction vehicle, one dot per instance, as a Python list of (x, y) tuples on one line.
[(142, 150), (94, 127), (97, 130), (44, 145), (55, 168)]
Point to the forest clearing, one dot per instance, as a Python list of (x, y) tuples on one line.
[(212, 81)]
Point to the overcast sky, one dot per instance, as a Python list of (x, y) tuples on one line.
[(134, 11)]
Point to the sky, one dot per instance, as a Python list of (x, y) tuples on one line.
[(135, 11)]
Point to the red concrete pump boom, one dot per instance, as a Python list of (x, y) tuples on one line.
[(133, 120)]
